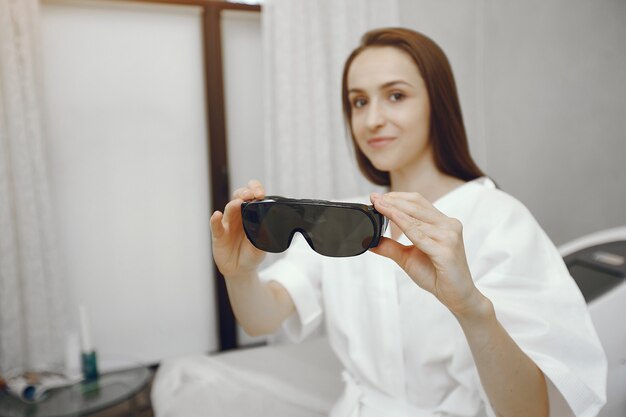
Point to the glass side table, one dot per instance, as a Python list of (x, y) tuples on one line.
[(82, 399)]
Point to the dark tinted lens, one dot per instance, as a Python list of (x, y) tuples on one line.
[(338, 231), (269, 225)]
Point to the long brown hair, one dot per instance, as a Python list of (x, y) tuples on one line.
[(447, 132)]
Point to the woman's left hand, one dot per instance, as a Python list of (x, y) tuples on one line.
[(436, 261)]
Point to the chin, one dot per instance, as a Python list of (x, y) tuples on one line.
[(383, 165), (384, 161)]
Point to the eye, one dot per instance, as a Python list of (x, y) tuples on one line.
[(359, 102), (396, 96)]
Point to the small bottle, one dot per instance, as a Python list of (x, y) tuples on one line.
[(89, 359), (90, 366)]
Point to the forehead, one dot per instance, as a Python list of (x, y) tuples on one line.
[(377, 65)]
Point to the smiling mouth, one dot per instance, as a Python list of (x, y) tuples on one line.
[(380, 142)]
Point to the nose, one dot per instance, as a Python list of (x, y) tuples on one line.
[(375, 118)]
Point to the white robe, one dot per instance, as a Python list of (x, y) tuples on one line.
[(404, 352)]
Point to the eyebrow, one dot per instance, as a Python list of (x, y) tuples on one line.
[(382, 87)]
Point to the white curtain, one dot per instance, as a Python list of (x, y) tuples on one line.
[(32, 294), (308, 153)]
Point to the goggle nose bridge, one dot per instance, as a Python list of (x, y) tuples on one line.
[(303, 224), (304, 234)]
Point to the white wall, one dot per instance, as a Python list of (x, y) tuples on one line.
[(543, 92), (125, 111), (242, 58), (556, 132)]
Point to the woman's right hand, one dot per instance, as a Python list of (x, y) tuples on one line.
[(232, 251)]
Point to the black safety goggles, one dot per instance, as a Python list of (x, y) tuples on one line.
[(330, 228)]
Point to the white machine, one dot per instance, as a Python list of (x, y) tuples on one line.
[(597, 262)]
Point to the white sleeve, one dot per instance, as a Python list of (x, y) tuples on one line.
[(539, 304), (299, 272)]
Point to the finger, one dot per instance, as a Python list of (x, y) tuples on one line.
[(232, 212), (411, 207), (243, 193), (391, 249), (409, 226), (416, 198), (437, 230), (429, 219), (390, 209), (397, 252), (257, 188), (217, 228)]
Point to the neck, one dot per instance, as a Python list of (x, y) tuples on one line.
[(423, 177)]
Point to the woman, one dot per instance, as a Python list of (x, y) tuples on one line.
[(465, 308)]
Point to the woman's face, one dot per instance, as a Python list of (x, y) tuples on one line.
[(390, 108)]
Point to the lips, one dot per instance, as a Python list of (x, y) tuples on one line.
[(380, 142)]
